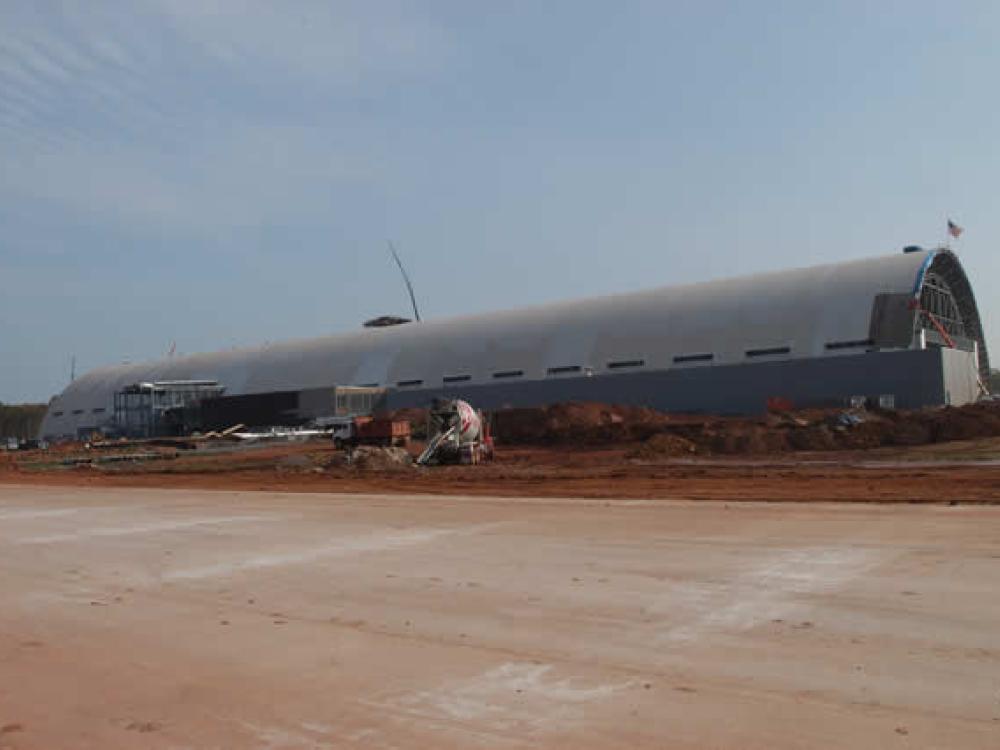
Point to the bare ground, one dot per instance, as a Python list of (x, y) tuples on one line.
[(151, 618), (953, 472)]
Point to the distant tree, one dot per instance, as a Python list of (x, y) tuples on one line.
[(994, 381), (21, 420)]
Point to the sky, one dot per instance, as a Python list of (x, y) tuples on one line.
[(219, 173)]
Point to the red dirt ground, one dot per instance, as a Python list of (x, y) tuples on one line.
[(918, 475), (602, 451)]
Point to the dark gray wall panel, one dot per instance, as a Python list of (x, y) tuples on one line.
[(914, 377)]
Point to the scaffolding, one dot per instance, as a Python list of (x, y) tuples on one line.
[(352, 400), (939, 320), (164, 407)]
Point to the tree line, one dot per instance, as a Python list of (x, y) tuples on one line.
[(994, 382), (21, 420)]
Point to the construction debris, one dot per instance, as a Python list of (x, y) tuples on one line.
[(292, 434), (94, 460)]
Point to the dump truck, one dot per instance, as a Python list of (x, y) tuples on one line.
[(365, 430)]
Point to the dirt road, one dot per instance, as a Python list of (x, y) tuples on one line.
[(151, 618)]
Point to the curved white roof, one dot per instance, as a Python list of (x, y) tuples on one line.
[(802, 309)]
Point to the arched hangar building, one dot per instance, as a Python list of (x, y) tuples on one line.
[(904, 326)]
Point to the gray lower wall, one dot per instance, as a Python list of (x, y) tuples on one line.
[(961, 376), (916, 378)]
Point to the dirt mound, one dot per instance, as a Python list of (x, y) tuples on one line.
[(740, 438), (666, 435), (578, 423), (965, 422), (663, 444), (594, 424), (380, 459)]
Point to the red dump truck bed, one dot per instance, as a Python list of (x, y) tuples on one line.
[(381, 429)]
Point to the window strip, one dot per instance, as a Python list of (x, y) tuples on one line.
[(769, 351), (681, 358), (620, 364), (849, 344)]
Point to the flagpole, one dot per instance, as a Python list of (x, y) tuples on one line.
[(953, 232)]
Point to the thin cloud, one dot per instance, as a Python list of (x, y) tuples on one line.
[(317, 41), (165, 113)]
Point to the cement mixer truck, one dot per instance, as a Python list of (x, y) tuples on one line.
[(457, 434)]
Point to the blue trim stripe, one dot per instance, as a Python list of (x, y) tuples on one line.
[(919, 282)]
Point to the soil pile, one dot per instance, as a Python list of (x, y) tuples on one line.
[(577, 423), (829, 430), (664, 435), (662, 445), (380, 459)]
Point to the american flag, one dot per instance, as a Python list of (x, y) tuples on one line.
[(954, 229)]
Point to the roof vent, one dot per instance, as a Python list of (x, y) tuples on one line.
[(385, 321)]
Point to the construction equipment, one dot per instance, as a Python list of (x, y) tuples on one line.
[(365, 430), (458, 434)]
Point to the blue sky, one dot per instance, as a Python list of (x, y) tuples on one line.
[(227, 173)]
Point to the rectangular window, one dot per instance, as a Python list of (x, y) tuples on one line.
[(57, 413), (624, 363), (768, 352), (409, 383), (564, 369), (78, 411), (456, 378), (831, 345), (99, 410), (508, 374), (681, 358)]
